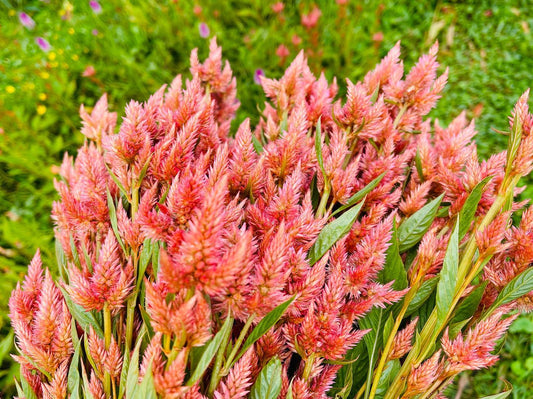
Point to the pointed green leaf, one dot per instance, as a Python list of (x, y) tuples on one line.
[(113, 219), (5, 345), (413, 229), (73, 381), (268, 383), (289, 392), (84, 318), (448, 276), (373, 340), (418, 164), (358, 196), (144, 259), (26, 389), (421, 296), (146, 388), (124, 376), (117, 182), (257, 144), (519, 286), (394, 269), (333, 232), (210, 351), (133, 371), (265, 325), (318, 149), (468, 211), (469, 304), (501, 395)]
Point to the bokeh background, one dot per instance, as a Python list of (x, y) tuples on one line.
[(56, 55)]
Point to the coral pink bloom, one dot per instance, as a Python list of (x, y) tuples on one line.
[(26, 20), (310, 20)]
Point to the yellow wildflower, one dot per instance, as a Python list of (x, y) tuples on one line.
[(42, 96), (41, 109), (10, 89)]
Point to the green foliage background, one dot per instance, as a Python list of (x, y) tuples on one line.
[(136, 46)]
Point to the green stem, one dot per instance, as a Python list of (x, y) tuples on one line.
[(390, 341), (215, 374), (323, 201), (308, 366), (107, 341), (238, 343)]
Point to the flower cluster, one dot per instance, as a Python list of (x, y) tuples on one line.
[(272, 248)]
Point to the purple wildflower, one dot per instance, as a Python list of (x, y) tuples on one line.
[(97, 8), (204, 30), (26, 20), (257, 75), (43, 43), (95, 32)]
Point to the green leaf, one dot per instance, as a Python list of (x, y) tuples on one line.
[(264, 325), (333, 232), (373, 340), (318, 149), (391, 370), (448, 276), (358, 196), (394, 269), (289, 392), (84, 318), (73, 381), (5, 345), (501, 395), (133, 371), (257, 144), (113, 219), (455, 328), (519, 286), (146, 388), (418, 164), (86, 392), (117, 182), (28, 391), (387, 329), (210, 351), (468, 211), (413, 229), (315, 194), (421, 296), (144, 259), (124, 376), (268, 383), (469, 304)]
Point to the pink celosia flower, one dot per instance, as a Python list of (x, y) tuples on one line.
[(296, 40), (282, 51), (26, 20), (278, 7), (204, 30), (88, 71), (310, 20), (43, 44)]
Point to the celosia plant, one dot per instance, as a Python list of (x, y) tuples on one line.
[(351, 249)]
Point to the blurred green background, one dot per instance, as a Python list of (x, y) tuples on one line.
[(130, 48)]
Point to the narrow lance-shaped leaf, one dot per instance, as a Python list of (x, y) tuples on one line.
[(358, 196), (268, 383), (264, 325), (421, 296), (519, 286), (146, 388), (114, 221), (469, 208), (448, 275), (373, 340), (73, 381), (318, 149), (469, 304), (394, 269), (332, 233), (133, 370), (413, 229), (210, 351), (84, 318)]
